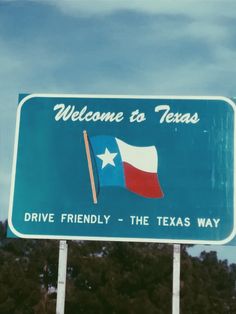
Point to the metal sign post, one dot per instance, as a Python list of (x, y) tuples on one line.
[(61, 282), (176, 279), (124, 168)]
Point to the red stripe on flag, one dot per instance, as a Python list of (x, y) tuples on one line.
[(141, 182)]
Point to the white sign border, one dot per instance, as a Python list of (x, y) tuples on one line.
[(122, 239)]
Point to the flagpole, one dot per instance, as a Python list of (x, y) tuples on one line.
[(61, 281), (90, 167), (176, 279)]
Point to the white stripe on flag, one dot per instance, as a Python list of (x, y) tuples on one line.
[(142, 158)]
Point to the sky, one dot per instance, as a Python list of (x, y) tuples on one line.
[(138, 47)]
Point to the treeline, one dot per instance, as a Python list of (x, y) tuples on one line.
[(111, 277)]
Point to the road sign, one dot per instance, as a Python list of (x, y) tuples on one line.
[(124, 168)]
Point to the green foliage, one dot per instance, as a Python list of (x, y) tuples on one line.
[(111, 277), (119, 278)]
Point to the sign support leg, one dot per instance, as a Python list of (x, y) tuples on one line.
[(61, 281), (176, 279)]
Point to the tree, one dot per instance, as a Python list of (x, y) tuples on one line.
[(111, 277)]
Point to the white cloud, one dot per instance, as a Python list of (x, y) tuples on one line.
[(126, 57), (202, 8), (205, 18)]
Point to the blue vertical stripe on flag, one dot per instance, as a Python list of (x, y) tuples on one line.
[(109, 175)]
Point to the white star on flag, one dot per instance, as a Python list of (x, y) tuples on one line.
[(107, 158)]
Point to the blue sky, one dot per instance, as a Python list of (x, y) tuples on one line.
[(112, 47)]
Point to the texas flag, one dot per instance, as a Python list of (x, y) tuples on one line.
[(128, 166)]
